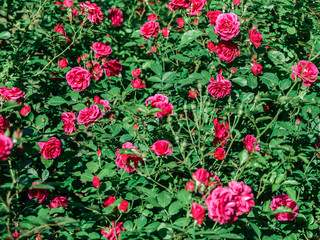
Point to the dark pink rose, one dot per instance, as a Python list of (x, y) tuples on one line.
[(39, 193), (75, 12), (236, 2), (256, 68), (68, 119), (68, 3), (25, 110), (14, 94), (306, 70), (124, 206), (60, 29), (283, 200), (78, 78), (50, 149), (211, 47), (193, 94), (152, 17), (255, 37), (15, 234), (96, 182), (115, 16), (113, 68), (220, 87), (190, 186), (198, 213), (137, 83), (178, 4), (101, 49), (162, 102), (150, 29), (249, 142), (5, 147), (226, 51), (95, 70), (89, 115), (219, 153), (129, 162), (221, 132), (162, 147), (165, 32), (213, 16), (136, 73), (63, 63), (106, 105), (60, 201), (196, 6), (109, 201), (227, 26), (95, 14), (201, 175), (180, 22), (113, 233), (4, 125)]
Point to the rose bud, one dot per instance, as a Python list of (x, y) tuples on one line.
[(25, 110), (96, 182), (124, 205), (190, 186), (198, 213)]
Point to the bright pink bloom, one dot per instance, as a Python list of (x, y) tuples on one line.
[(60, 201), (50, 149), (178, 4), (306, 70), (113, 68), (5, 147), (63, 63), (236, 2), (196, 6), (68, 3), (68, 119), (201, 175), (227, 26), (213, 16), (226, 50), (150, 29), (198, 213), (96, 182), (162, 102), (109, 201), (95, 14), (60, 29), (89, 115), (220, 87), (25, 110), (101, 49), (137, 83), (193, 94), (162, 147), (115, 16), (129, 162), (256, 68), (152, 17), (283, 200), (190, 186), (15, 234), (165, 32), (136, 73), (255, 37), (39, 193), (221, 132), (124, 206), (243, 197), (95, 70), (113, 233), (249, 142), (4, 124), (14, 94), (78, 79), (180, 22), (219, 153)]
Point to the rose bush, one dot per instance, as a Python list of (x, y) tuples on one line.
[(176, 119)]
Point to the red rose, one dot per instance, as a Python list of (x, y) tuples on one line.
[(115, 16), (162, 147), (68, 119), (78, 78), (25, 110), (113, 233), (283, 200), (236, 2), (96, 182), (59, 28), (95, 14), (39, 193), (255, 37), (96, 100), (124, 205), (129, 162), (162, 102), (60, 201), (15, 234), (221, 132), (193, 94), (180, 22), (150, 29), (177, 4), (219, 153), (101, 49), (190, 186), (106, 105), (50, 149), (14, 94), (68, 3), (220, 87), (213, 16), (226, 50), (256, 68), (63, 63), (165, 32), (136, 72), (211, 47), (249, 141), (306, 70), (89, 115), (152, 17), (137, 83), (201, 175), (113, 68), (198, 213), (109, 201), (4, 125), (196, 6), (95, 70), (6, 146), (227, 26)]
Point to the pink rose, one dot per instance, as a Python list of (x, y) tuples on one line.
[(152, 17), (306, 70), (213, 16), (115, 16), (283, 200), (193, 94), (219, 153), (106, 105), (201, 175), (25, 110), (60, 29), (190, 186), (180, 22), (4, 125), (255, 37), (15, 234), (68, 3), (63, 63), (101, 49), (68, 119), (256, 68), (95, 14), (243, 197), (227, 26), (150, 29), (165, 32), (137, 83), (211, 47), (129, 162), (221, 132), (5, 147), (96, 182), (220, 87), (162, 102), (39, 193), (198, 213), (236, 2), (113, 68), (108, 201), (226, 51), (178, 4), (124, 206), (162, 147), (95, 70), (196, 7), (89, 115), (60, 201), (136, 73), (249, 142), (50, 149), (113, 233), (14, 94), (78, 79)]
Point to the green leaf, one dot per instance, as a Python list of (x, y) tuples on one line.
[(291, 30), (252, 82), (92, 166), (243, 156), (230, 236), (184, 196), (256, 229), (283, 210), (5, 35), (175, 207), (41, 121), (141, 222), (291, 193), (164, 198), (276, 57), (270, 79), (47, 162), (291, 182), (190, 36), (240, 81), (157, 68), (45, 175), (285, 84), (56, 101)]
